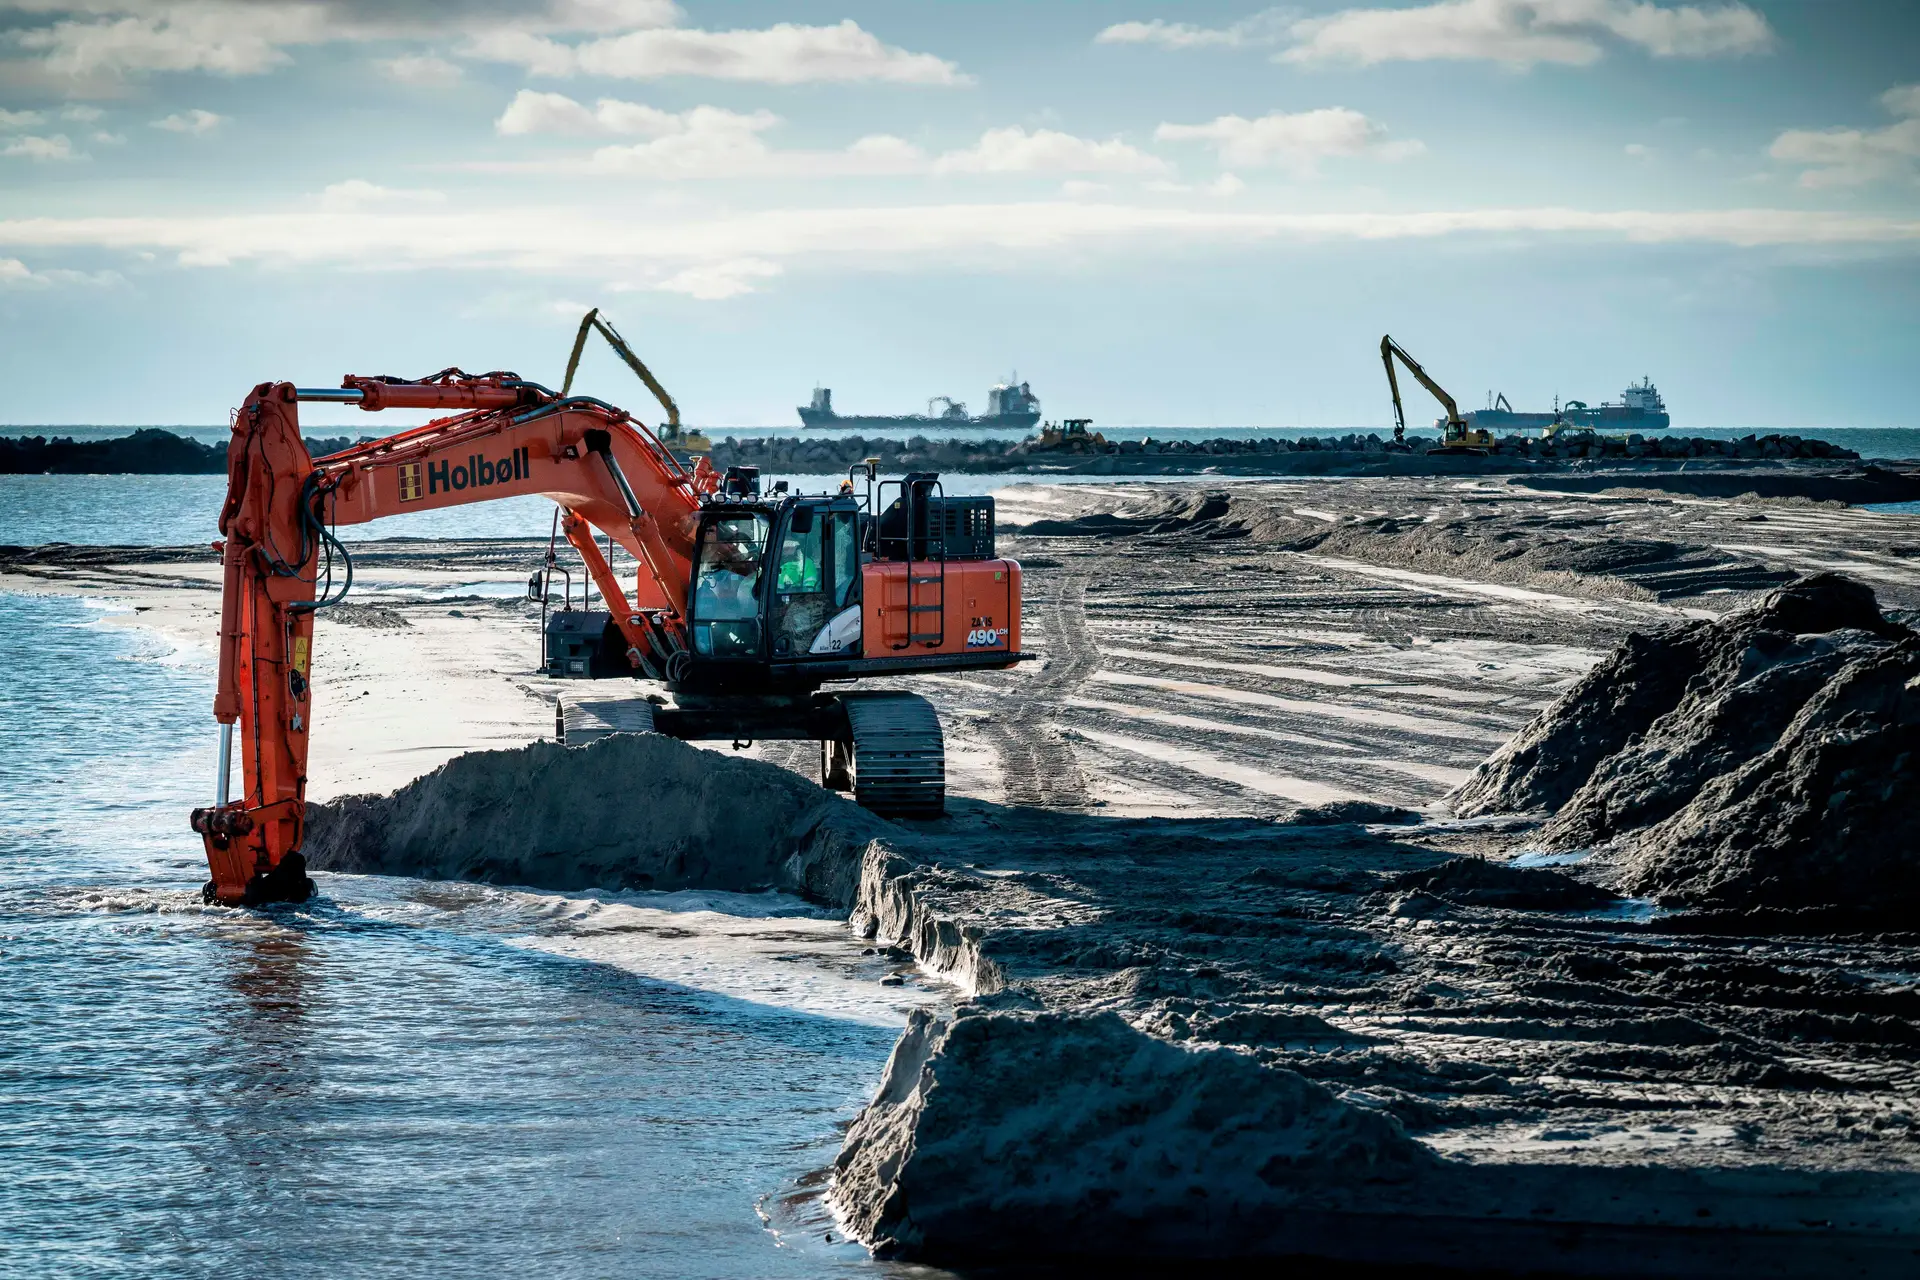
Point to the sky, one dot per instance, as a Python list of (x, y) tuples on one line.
[(1192, 214)]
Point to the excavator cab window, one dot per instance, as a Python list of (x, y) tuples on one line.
[(800, 581), (726, 586)]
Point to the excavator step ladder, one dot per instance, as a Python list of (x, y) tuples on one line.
[(932, 547), (916, 584)]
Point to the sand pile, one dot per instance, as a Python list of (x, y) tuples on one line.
[(630, 811), (1037, 1135), (1764, 759)]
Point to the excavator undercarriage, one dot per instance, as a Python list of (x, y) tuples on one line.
[(741, 607)]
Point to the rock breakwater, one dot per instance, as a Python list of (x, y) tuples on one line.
[(148, 451)]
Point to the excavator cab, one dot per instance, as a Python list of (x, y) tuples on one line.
[(774, 582)]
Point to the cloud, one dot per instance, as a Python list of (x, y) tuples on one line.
[(642, 248), (1638, 150), (1295, 141), (423, 70), (719, 280), (106, 139), (15, 274), (195, 121), (534, 112), (81, 113), (21, 119), (1854, 157), (785, 53), (712, 142), (1524, 32), (1014, 150), (356, 194), (223, 36), (1902, 100), (1517, 32), (57, 147), (631, 39), (702, 142), (1265, 27)]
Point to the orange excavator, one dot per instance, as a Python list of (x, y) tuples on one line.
[(742, 605)]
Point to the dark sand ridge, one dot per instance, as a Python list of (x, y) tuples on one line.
[(1124, 859)]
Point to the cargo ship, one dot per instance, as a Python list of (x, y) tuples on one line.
[(1640, 408), (1009, 404)]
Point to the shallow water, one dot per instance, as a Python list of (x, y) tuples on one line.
[(400, 1078), (178, 511)]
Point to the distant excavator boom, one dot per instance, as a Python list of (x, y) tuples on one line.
[(591, 321), (1454, 431)]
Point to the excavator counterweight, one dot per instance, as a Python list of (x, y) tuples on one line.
[(741, 606)]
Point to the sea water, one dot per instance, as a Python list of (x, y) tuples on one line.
[(385, 1081)]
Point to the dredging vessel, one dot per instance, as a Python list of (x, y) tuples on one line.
[(1009, 404), (1639, 408)]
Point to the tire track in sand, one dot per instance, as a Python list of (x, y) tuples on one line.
[(1038, 768)]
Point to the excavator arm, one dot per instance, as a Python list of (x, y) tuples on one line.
[(1389, 350), (507, 438), (592, 321)]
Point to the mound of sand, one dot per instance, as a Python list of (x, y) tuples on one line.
[(1764, 759), (1075, 1133), (1643, 679), (1825, 818), (630, 811)]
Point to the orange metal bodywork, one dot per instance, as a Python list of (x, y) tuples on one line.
[(508, 441), (975, 604)]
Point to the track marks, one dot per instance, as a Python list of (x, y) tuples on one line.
[(1038, 768)]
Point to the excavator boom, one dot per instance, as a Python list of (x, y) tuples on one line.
[(1455, 431), (508, 437)]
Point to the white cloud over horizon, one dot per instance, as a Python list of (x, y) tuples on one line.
[(700, 255), (1519, 33)]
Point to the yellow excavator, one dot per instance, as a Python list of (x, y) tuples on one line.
[(682, 442), (1455, 435)]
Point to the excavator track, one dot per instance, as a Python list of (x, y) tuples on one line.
[(899, 755)]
